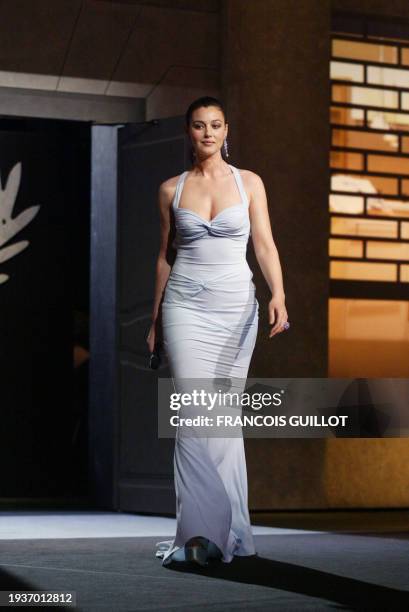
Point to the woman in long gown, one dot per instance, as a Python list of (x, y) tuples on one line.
[(206, 313)]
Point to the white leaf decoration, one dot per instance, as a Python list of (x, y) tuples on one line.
[(9, 226)]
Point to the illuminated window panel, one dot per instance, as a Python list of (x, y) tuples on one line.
[(404, 273), (345, 71), (404, 230), (393, 208), (352, 205), (370, 319), (342, 247), (405, 187), (368, 338), (362, 183), (369, 213), (387, 250), (405, 144), (346, 160), (388, 120), (405, 56), (347, 116), (405, 101), (354, 270), (364, 51), (388, 164), (365, 140), (365, 96), (392, 77), (364, 227)]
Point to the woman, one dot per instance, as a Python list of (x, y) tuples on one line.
[(209, 321)]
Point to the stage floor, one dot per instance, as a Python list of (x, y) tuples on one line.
[(342, 561)]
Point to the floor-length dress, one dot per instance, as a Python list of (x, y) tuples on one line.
[(210, 321)]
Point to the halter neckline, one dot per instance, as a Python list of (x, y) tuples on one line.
[(179, 189)]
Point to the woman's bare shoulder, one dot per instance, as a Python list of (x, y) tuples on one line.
[(170, 183), (167, 188), (250, 176), (252, 181)]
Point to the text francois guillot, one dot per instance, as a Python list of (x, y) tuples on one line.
[(255, 401)]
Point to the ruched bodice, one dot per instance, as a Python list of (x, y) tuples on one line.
[(232, 222), (207, 245), (210, 322)]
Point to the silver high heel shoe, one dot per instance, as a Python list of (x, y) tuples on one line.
[(197, 553)]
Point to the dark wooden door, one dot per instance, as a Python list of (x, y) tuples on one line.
[(131, 468)]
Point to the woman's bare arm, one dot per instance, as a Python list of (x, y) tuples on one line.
[(165, 259), (266, 251)]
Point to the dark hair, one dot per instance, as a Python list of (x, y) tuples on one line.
[(198, 103), (204, 101)]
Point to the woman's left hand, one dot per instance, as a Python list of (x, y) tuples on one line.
[(277, 315)]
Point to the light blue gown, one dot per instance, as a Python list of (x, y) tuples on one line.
[(210, 320)]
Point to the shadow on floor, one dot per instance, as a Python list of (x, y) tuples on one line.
[(302, 580)]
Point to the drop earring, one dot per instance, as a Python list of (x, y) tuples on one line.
[(226, 148)]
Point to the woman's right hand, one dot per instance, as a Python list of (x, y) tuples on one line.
[(151, 337)]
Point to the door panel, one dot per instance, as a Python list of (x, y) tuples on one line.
[(139, 475)]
